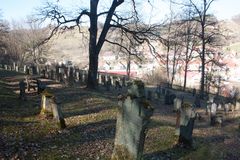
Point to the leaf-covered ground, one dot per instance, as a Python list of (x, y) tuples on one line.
[(91, 118)]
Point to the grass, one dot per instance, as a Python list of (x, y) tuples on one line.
[(90, 117)]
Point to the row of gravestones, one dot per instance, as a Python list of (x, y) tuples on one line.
[(70, 75)]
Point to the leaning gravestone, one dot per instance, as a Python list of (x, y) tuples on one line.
[(51, 108), (187, 118), (132, 121)]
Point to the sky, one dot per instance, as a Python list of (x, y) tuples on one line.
[(19, 9)]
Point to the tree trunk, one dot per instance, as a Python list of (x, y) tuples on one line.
[(203, 71), (185, 76), (128, 67), (93, 52)]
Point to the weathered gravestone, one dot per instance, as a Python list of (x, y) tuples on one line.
[(132, 121), (187, 118), (40, 86), (71, 77), (51, 108), (34, 70), (176, 107), (118, 85), (158, 91), (149, 95), (213, 112), (22, 87), (169, 98), (108, 84)]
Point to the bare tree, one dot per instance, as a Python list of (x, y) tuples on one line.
[(189, 40), (4, 33), (26, 43), (205, 21), (111, 17)]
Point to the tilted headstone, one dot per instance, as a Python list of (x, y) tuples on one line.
[(187, 119), (50, 108), (132, 121)]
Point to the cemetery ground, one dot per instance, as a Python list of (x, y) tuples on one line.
[(90, 118)]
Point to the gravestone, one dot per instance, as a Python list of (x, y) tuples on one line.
[(132, 121), (40, 86), (194, 92), (117, 85), (123, 81), (197, 101), (149, 95), (34, 70), (24, 68), (14, 66), (158, 91), (5, 67), (27, 71), (29, 84), (176, 107), (213, 111), (108, 84), (77, 75), (17, 69), (51, 108), (57, 68), (209, 104), (187, 118), (167, 98), (71, 77), (52, 74), (22, 87)]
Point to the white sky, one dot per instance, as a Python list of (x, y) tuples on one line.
[(19, 9)]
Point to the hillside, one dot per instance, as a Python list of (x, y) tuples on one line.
[(73, 46)]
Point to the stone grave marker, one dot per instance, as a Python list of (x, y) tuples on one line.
[(132, 121), (51, 108), (187, 118), (71, 77), (176, 107), (22, 87)]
